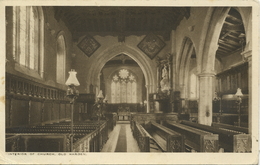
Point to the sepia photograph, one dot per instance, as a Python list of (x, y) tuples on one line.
[(129, 82)]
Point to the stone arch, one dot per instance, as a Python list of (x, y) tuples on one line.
[(210, 45), (143, 61), (183, 74), (108, 54), (206, 53)]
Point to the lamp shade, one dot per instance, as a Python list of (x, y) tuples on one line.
[(100, 95), (72, 80), (239, 93)]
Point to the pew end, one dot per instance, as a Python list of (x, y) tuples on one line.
[(242, 143)]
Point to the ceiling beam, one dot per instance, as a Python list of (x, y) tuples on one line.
[(227, 45), (225, 48), (224, 35), (234, 18), (232, 27), (230, 42), (221, 52)]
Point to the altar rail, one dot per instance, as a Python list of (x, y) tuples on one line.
[(145, 118), (131, 107)]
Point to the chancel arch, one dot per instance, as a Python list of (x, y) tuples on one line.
[(144, 63)]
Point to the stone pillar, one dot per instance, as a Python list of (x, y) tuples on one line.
[(205, 111), (248, 56)]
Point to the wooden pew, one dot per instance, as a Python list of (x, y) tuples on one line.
[(154, 146), (144, 140), (94, 141), (91, 140), (169, 140), (140, 136), (230, 127), (37, 142), (231, 141), (46, 129), (64, 127), (198, 140)]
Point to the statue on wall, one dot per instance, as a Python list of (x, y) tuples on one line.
[(164, 83)]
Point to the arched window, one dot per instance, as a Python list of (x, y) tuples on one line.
[(61, 56), (28, 37), (123, 87)]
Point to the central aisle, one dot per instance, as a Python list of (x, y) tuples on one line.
[(121, 140)]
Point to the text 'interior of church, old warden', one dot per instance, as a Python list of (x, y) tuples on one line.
[(128, 79)]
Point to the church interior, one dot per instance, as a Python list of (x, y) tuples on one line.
[(128, 79)]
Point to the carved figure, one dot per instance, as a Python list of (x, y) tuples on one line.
[(165, 79)]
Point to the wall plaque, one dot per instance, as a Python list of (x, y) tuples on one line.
[(88, 45), (151, 45)]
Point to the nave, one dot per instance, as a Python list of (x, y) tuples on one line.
[(121, 139)]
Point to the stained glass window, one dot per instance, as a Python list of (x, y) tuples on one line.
[(123, 87)]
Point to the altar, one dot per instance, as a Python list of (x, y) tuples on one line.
[(123, 113)]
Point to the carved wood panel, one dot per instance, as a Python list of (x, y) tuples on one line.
[(242, 143), (210, 143), (175, 144), (229, 80)]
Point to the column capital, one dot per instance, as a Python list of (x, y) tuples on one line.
[(247, 54), (210, 74)]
